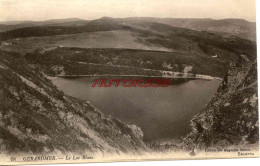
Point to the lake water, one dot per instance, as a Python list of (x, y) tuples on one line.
[(163, 113)]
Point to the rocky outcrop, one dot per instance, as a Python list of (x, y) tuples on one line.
[(231, 117), (36, 118)]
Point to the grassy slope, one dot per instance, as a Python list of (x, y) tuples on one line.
[(99, 39)]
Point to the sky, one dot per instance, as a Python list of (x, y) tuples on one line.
[(38, 10)]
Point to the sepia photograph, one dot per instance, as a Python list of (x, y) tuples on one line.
[(88, 81)]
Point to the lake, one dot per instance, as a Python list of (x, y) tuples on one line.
[(163, 113)]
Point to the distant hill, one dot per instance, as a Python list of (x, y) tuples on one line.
[(40, 22), (48, 30), (226, 27), (11, 25), (156, 33)]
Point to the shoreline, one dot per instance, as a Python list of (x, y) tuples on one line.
[(198, 76)]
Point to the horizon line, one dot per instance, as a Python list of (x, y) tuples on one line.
[(206, 18)]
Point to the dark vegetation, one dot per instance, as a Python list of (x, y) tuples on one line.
[(123, 61), (60, 30)]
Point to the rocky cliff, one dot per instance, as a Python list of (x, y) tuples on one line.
[(231, 117), (36, 118)]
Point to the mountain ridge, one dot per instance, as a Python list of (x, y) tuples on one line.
[(226, 27)]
